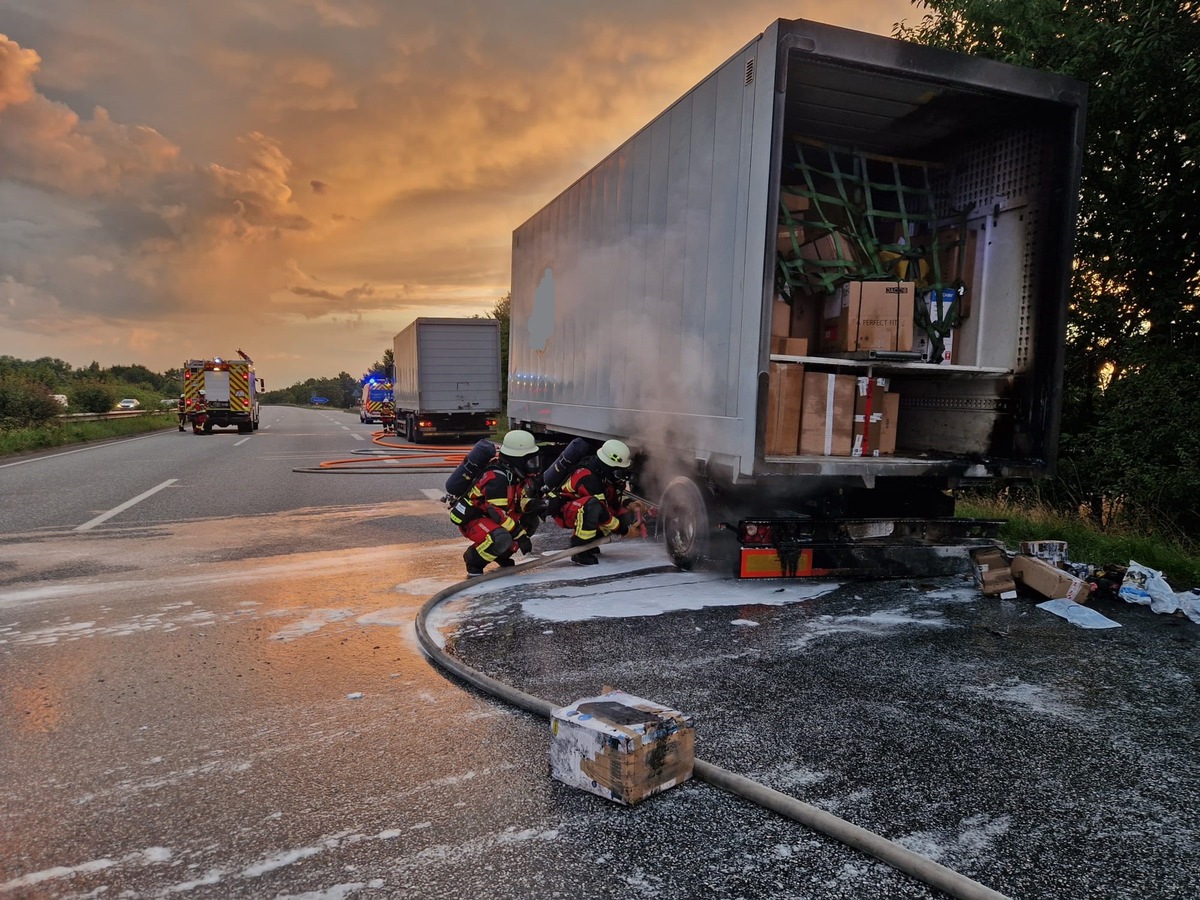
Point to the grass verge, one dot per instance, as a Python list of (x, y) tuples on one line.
[(1085, 544), (60, 434)]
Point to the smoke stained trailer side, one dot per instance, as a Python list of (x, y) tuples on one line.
[(827, 208)]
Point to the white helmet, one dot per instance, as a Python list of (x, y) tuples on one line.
[(615, 454), (518, 443)]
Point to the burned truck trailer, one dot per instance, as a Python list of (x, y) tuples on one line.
[(822, 290)]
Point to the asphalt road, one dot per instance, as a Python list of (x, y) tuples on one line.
[(219, 694)]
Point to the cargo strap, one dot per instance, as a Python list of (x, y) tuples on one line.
[(871, 206)]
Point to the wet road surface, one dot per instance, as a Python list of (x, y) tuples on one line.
[(265, 725)]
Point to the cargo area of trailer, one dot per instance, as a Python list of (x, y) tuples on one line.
[(831, 280)]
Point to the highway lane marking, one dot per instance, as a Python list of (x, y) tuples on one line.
[(345, 428), (22, 462), (357, 437), (117, 510), (242, 441)]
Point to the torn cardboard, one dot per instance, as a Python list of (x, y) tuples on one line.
[(621, 747), (993, 573), (1045, 579)]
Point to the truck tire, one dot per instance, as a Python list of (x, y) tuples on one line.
[(254, 427), (411, 430), (245, 427), (685, 522)]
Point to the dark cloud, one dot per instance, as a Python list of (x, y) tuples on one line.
[(318, 187)]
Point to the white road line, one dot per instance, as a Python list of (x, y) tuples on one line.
[(116, 510), (266, 426), (357, 437), (345, 428), (242, 441)]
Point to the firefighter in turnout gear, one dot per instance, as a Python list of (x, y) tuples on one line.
[(500, 511), (387, 415), (199, 413), (591, 502), (182, 412)]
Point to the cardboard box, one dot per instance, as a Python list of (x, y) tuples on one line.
[(832, 254), (621, 747), (785, 395), (993, 573), (788, 240), (789, 346), (1050, 582), (1053, 552), (781, 318), (869, 315), (806, 317), (876, 410), (793, 203), (827, 424)]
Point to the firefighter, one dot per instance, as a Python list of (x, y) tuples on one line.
[(182, 412), (387, 415), (590, 501), (494, 513), (199, 412)]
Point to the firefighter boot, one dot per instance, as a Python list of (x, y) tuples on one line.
[(474, 561), (587, 557)]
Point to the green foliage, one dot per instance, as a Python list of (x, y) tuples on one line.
[(341, 391), (503, 311), (94, 398), (1027, 520), (25, 403), (1135, 310), (59, 434)]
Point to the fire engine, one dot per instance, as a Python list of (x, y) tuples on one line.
[(375, 390), (231, 390)]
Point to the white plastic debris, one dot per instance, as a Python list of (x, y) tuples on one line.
[(1078, 614), (1148, 587), (357, 695)]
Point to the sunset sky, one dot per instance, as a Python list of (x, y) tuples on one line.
[(302, 178)]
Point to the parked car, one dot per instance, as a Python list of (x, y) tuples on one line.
[(129, 403)]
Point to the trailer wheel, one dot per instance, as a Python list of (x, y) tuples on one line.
[(685, 523), (410, 430)]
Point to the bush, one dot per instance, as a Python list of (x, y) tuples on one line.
[(94, 398), (24, 403)]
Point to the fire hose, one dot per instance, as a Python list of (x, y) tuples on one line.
[(898, 857)]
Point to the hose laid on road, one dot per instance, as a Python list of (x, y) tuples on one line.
[(407, 458), (900, 858)]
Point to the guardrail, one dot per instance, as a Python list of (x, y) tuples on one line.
[(115, 414)]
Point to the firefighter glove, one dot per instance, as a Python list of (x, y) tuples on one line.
[(525, 545)]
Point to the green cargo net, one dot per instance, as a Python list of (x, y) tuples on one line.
[(850, 215)]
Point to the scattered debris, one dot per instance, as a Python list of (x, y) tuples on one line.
[(1078, 614), (1147, 587)]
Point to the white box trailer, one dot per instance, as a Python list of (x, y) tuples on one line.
[(644, 295), (447, 379)]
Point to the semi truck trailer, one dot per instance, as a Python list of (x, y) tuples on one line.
[(447, 379), (821, 292)]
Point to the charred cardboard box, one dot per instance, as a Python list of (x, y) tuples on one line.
[(827, 423), (1049, 581), (785, 393), (621, 747), (993, 573), (876, 410), (868, 315)]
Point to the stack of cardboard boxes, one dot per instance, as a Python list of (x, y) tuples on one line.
[(829, 414)]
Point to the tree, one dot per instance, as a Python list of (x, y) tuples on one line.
[(1136, 293), (385, 367), (94, 397), (503, 312)]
